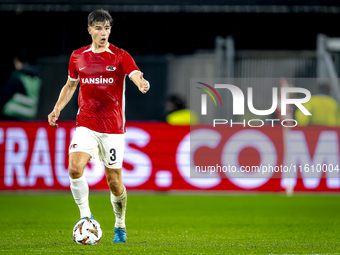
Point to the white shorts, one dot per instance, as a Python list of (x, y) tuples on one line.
[(109, 147)]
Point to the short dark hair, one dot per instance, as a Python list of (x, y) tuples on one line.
[(100, 15)]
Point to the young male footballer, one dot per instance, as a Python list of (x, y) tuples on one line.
[(100, 68)]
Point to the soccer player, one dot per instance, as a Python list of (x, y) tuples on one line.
[(100, 123)]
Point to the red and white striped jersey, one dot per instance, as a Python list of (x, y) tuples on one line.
[(102, 87)]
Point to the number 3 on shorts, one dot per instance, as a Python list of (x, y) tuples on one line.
[(113, 157)]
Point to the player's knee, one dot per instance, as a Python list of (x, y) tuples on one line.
[(75, 172), (114, 184)]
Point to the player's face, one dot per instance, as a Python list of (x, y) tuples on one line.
[(100, 33)]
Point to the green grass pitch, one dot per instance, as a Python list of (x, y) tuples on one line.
[(37, 223)]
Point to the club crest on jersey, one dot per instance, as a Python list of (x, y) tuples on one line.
[(73, 146), (110, 68)]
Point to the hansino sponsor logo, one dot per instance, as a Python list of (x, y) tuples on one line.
[(97, 80)]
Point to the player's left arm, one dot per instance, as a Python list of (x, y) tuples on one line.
[(142, 84)]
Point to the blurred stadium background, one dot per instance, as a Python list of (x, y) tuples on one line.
[(172, 42)]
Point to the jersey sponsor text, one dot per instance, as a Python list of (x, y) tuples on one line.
[(97, 80)]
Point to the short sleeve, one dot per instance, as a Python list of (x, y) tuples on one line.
[(72, 71), (128, 64)]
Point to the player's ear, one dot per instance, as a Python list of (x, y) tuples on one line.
[(89, 30)]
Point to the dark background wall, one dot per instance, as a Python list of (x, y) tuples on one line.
[(51, 36)]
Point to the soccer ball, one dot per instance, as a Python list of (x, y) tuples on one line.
[(87, 232)]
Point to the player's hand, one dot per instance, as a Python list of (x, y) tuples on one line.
[(144, 84), (53, 117)]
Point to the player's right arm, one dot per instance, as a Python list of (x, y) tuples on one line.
[(65, 96)]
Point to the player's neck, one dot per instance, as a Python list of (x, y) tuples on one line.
[(98, 48)]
